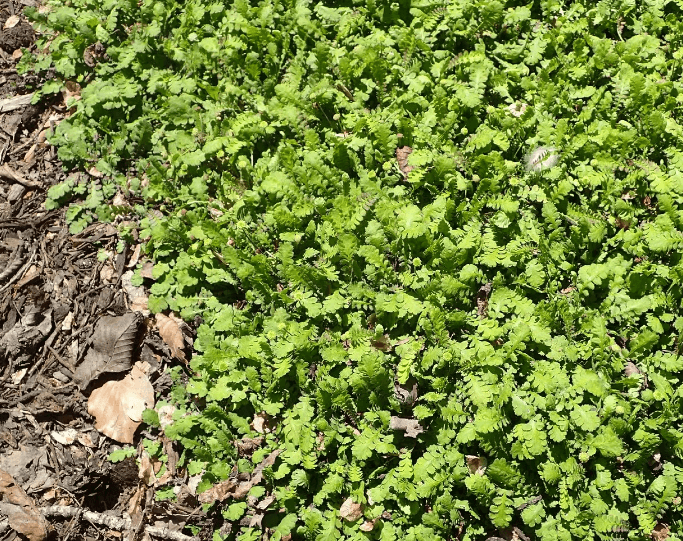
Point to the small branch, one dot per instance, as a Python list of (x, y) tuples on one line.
[(114, 523), (9, 174)]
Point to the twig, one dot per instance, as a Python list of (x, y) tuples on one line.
[(9, 174), (21, 272), (115, 523), (64, 363)]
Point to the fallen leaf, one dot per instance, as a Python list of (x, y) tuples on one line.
[(476, 464), (231, 488), (94, 172), (71, 90), (368, 525), (86, 440), (22, 514), (118, 405), (166, 415), (172, 335), (18, 376), (11, 22), (31, 274), (660, 532), (140, 305), (65, 437), (68, 321), (16, 55), (112, 348), (350, 510), (631, 370), (402, 154), (246, 446), (146, 471), (261, 423), (135, 257), (146, 270), (412, 427)]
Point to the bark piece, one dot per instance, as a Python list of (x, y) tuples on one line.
[(115, 523), (15, 102)]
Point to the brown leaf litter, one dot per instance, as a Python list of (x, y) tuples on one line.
[(68, 325)]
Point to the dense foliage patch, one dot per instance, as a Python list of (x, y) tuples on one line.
[(467, 213)]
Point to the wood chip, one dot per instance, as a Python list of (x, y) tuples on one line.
[(15, 102)]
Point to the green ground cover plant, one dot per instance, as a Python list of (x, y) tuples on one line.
[(464, 217)]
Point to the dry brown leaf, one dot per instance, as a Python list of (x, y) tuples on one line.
[(350, 510), (135, 257), (231, 488), (246, 446), (166, 415), (661, 532), (146, 471), (85, 440), (118, 405), (139, 304), (412, 427), (368, 525), (11, 22), (402, 154), (476, 464), (135, 504), (71, 90), (65, 437), (18, 376), (22, 514), (262, 423), (172, 335), (16, 55), (631, 370), (146, 270), (112, 349), (217, 492), (94, 172)]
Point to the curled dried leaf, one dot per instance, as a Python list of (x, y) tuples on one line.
[(402, 154), (172, 335)]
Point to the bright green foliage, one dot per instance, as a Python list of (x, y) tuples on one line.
[(325, 277)]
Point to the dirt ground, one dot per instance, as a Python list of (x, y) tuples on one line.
[(80, 357)]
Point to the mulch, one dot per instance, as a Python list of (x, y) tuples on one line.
[(55, 288)]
